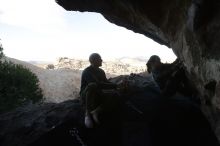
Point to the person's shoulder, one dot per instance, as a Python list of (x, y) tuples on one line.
[(101, 70), (87, 69), (165, 66)]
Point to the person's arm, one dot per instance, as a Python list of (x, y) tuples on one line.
[(86, 78), (172, 69), (106, 84)]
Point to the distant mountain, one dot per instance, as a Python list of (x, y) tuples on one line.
[(39, 62), (121, 66), (140, 62), (138, 58)]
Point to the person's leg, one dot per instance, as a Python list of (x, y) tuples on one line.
[(92, 101), (111, 101)]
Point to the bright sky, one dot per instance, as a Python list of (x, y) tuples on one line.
[(41, 30)]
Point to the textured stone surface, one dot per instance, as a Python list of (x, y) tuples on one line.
[(27, 124), (143, 118), (190, 27)]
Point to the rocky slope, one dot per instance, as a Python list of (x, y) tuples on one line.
[(57, 85), (123, 66)]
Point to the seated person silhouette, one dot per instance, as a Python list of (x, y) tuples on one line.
[(171, 78), (97, 94)]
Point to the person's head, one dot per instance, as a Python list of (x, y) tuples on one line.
[(95, 60), (153, 63)]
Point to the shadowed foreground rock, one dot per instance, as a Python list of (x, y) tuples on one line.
[(144, 118)]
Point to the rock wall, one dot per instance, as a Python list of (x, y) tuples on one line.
[(189, 27)]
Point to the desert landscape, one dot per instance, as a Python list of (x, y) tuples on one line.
[(60, 80)]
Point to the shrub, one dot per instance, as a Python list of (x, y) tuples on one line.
[(18, 86), (1, 51)]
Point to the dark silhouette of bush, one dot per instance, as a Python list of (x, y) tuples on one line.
[(18, 86), (1, 51)]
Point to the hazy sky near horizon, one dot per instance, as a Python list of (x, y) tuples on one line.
[(41, 30)]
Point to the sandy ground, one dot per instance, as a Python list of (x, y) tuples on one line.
[(57, 85)]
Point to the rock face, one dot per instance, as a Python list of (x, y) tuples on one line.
[(190, 27), (27, 124), (143, 118)]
